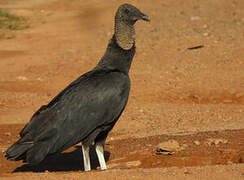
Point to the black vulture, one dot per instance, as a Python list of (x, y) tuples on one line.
[(87, 109)]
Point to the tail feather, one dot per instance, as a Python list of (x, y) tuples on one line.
[(29, 151), (37, 153), (17, 150)]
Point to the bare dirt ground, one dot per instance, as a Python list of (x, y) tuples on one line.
[(192, 99)]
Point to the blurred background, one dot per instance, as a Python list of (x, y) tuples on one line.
[(187, 75)]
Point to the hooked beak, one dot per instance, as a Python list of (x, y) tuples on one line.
[(140, 16), (145, 17)]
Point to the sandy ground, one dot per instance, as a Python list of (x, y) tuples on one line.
[(192, 96)]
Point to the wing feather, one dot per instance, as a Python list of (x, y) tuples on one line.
[(93, 100)]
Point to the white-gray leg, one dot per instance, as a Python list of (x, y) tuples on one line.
[(100, 154), (86, 157)]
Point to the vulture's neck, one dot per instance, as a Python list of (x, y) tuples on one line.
[(121, 48), (124, 34)]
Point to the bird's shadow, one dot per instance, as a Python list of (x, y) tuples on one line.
[(66, 161)]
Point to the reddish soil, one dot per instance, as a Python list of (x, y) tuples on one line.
[(192, 96)]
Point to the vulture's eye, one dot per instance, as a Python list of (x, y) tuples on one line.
[(127, 11)]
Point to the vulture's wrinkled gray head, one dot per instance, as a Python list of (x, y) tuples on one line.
[(130, 14), (125, 18)]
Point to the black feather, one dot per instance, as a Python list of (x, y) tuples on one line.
[(84, 111), (94, 100)]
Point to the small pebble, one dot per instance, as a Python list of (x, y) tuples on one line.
[(186, 172), (133, 163), (183, 147), (194, 18), (22, 78), (197, 143), (170, 147), (205, 26), (39, 79), (8, 133), (205, 34), (216, 141)]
